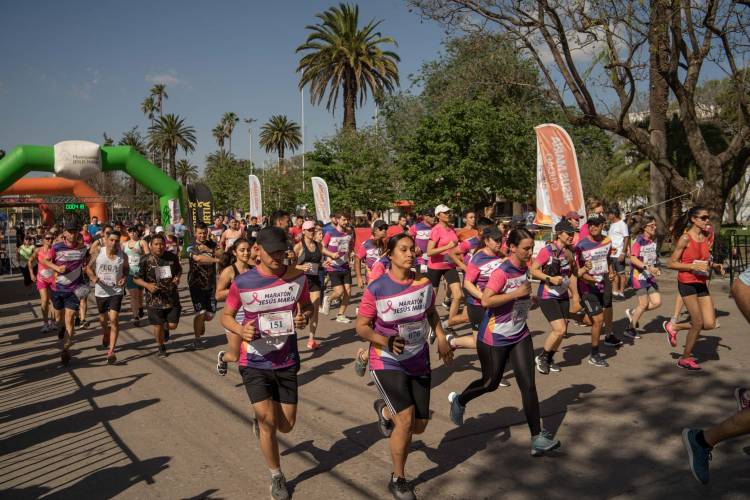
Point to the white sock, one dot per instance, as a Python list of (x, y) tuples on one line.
[(275, 472)]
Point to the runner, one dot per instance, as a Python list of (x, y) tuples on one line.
[(421, 234), (595, 207), (159, 273), (692, 258), (296, 230), (619, 235), (443, 241), (339, 242), (553, 267), (253, 228), (217, 229), (229, 236), (393, 317), (396, 229), (504, 335), (370, 251), (107, 272), (644, 270), (469, 230), (310, 255), (281, 219), (24, 252), (135, 248), (699, 443), (202, 277), (276, 303), (45, 279), (67, 260), (595, 285), (236, 261)]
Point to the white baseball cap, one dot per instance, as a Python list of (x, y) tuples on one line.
[(159, 229), (441, 209)]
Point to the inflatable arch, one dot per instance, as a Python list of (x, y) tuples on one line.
[(60, 186), (80, 160)]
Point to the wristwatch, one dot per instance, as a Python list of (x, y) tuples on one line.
[(547, 279)]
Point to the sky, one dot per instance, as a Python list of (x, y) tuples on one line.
[(77, 69)]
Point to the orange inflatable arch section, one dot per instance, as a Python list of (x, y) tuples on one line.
[(60, 186)]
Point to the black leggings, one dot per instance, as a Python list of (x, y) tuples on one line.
[(493, 360)]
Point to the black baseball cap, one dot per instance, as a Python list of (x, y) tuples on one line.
[(492, 232), (564, 226), (380, 224), (273, 239), (429, 212), (595, 219)]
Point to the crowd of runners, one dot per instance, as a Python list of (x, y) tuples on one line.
[(276, 276)]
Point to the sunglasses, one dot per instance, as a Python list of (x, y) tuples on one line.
[(703, 217), (48, 238), (570, 234)]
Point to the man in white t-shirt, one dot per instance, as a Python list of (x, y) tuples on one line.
[(620, 237)]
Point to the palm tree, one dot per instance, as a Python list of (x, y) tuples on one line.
[(341, 56), (217, 159), (186, 172), (159, 93), (229, 121), (170, 133), (148, 107), (219, 135), (134, 139), (278, 134)]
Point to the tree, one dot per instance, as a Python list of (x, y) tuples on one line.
[(226, 177), (186, 171), (340, 56), (279, 134), (228, 122), (623, 43), (219, 134), (169, 133), (148, 108), (159, 93)]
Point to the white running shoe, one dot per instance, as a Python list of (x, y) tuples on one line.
[(342, 319), (326, 307)]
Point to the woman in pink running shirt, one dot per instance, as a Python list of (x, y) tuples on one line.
[(440, 248)]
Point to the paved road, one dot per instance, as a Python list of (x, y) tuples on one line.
[(172, 428)]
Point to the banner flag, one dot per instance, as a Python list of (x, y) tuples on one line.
[(256, 197), (200, 205), (322, 202), (558, 187)]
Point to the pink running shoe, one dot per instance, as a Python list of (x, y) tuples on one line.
[(743, 398), (311, 344), (671, 333), (688, 364)]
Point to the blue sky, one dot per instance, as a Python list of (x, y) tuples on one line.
[(75, 69)]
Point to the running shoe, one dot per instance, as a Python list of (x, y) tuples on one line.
[(612, 340), (743, 398), (385, 426), (446, 303), (360, 365), (45, 328), (542, 443), (162, 351), (629, 314), (111, 358), (554, 367), (449, 338), (221, 365), (688, 364), (631, 333), (278, 487), (542, 364), (65, 357), (311, 344), (342, 319), (618, 295), (598, 360), (504, 383), (325, 306), (84, 324), (198, 343), (671, 333), (698, 456), (401, 489), (457, 411)]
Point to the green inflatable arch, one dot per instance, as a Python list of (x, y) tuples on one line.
[(24, 159)]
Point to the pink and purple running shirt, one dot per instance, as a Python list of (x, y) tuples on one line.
[(268, 301), (644, 250), (506, 325), (369, 252), (339, 243), (380, 267), (421, 234), (400, 308), (478, 271), (546, 255), (442, 235), (598, 253), (72, 260)]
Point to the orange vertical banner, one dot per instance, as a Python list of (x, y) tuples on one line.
[(558, 187)]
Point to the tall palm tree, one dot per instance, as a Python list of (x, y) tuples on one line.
[(159, 93), (219, 135), (278, 134), (186, 171), (169, 133), (148, 108), (339, 55), (134, 139), (229, 121)]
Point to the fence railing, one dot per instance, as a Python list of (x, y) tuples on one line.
[(739, 251)]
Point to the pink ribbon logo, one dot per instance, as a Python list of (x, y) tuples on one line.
[(389, 308), (255, 299)]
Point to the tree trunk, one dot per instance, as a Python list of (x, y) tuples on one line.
[(658, 102), (350, 101), (173, 164)]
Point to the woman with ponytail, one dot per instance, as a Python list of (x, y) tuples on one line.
[(692, 259)]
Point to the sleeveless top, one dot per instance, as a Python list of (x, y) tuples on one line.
[(695, 252), (134, 256), (44, 273), (313, 257), (109, 272)]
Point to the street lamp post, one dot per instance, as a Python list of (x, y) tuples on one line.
[(249, 122), (302, 98)]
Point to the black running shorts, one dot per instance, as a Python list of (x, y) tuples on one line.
[(687, 289), (161, 316), (476, 315), (278, 385), (340, 278), (106, 304), (554, 309), (400, 390), (451, 276)]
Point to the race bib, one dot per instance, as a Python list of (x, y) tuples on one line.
[(107, 278), (649, 255), (134, 260), (414, 332), (276, 324), (700, 273), (343, 246), (254, 234), (314, 266), (423, 268), (163, 272), (521, 309), (46, 273), (598, 259)]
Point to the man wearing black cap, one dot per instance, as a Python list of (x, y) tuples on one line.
[(276, 302)]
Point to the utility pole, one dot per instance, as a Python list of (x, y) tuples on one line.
[(249, 122)]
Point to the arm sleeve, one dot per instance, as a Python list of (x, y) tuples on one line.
[(361, 251), (233, 300), (435, 234), (635, 249), (143, 268), (413, 230), (472, 273), (497, 281), (326, 239), (378, 270), (543, 256), (367, 305)]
